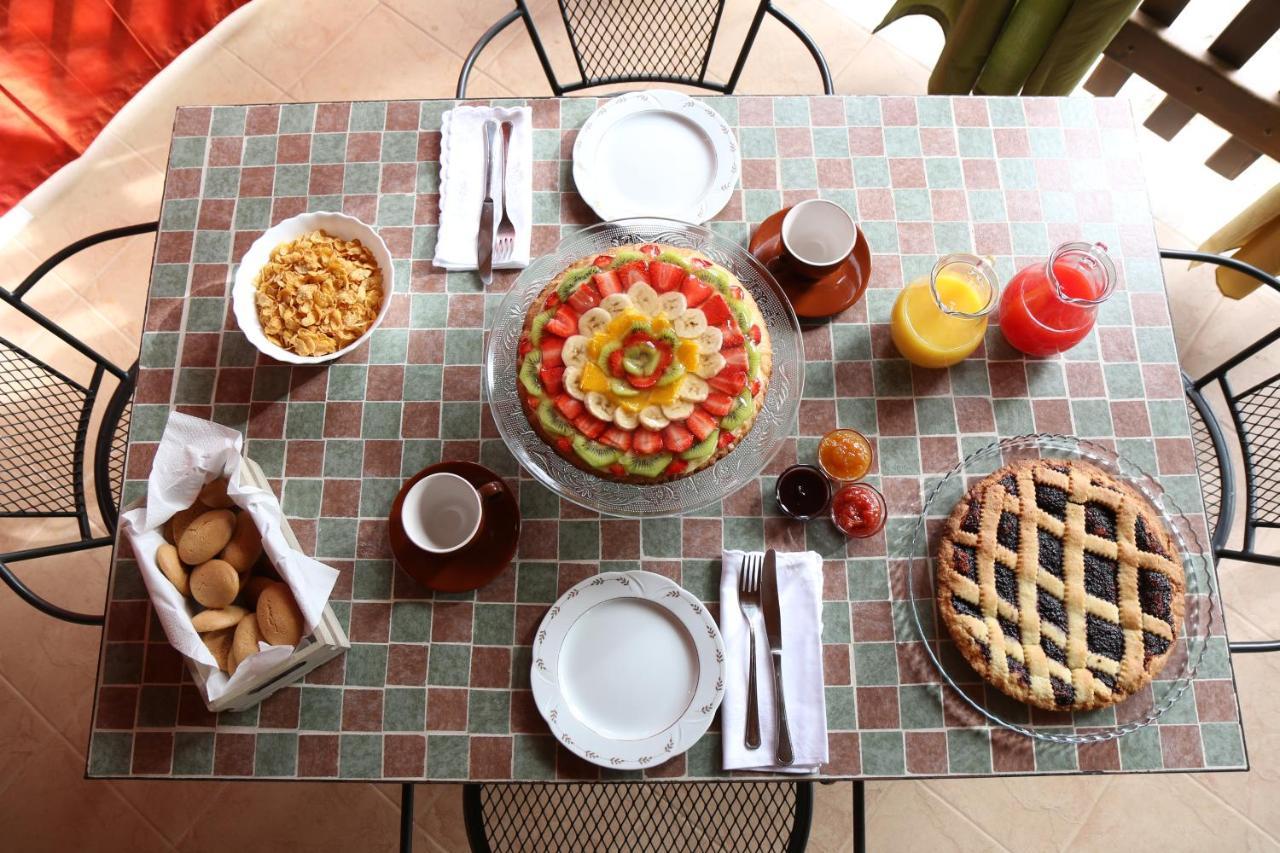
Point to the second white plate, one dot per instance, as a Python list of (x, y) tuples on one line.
[(628, 669), (656, 153)]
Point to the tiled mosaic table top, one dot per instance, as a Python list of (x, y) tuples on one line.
[(438, 688)]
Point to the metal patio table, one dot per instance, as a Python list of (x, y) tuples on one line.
[(436, 688)]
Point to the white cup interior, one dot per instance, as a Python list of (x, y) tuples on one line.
[(441, 513), (818, 232)]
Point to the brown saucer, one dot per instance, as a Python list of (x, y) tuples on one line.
[(478, 563), (813, 298)]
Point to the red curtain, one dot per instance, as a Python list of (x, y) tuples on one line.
[(66, 66)]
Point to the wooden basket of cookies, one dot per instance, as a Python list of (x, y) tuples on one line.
[(228, 580)]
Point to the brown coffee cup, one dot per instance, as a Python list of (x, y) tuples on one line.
[(817, 237), (443, 513)]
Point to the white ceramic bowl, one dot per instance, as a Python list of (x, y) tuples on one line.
[(243, 289)]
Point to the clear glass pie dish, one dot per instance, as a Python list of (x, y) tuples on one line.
[(773, 425), (985, 704)]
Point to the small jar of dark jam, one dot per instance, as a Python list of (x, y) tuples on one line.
[(803, 492)]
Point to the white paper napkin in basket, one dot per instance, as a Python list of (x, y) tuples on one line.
[(462, 184), (800, 602), (192, 452)]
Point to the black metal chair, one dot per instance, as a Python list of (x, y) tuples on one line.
[(44, 418), (1253, 433), (647, 53)]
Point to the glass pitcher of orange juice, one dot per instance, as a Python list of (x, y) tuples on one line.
[(939, 319)]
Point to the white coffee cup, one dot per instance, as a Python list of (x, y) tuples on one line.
[(817, 236), (442, 512)]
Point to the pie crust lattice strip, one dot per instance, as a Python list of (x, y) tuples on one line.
[(1060, 585)]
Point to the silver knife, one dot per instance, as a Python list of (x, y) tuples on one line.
[(773, 632), (484, 235)]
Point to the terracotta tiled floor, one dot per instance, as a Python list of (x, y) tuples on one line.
[(282, 50)]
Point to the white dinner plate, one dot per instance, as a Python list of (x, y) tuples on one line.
[(628, 669), (656, 153)]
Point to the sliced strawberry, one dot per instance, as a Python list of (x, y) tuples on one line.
[(730, 381), (651, 250), (616, 437), (603, 261), (677, 466), (755, 334), (617, 470), (551, 347), (716, 310), (615, 363), (564, 323), (607, 283), (755, 387), (531, 402), (565, 445), (737, 292), (632, 272), (553, 301), (695, 290), (700, 263), (718, 404), (666, 277), (732, 334), (676, 438), (570, 407), (552, 379), (584, 298), (644, 381), (646, 442), (589, 425), (736, 357), (701, 424), (726, 439), (525, 347), (639, 336)]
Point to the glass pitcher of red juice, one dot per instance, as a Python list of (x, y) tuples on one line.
[(1050, 307)]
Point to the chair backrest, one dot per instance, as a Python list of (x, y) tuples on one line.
[(644, 41), (45, 418), (1255, 432)]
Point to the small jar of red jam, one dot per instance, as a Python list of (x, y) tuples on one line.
[(844, 455), (858, 510)]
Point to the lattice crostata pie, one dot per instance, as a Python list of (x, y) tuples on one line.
[(1060, 585)]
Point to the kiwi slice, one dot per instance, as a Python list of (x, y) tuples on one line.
[(740, 314), (703, 448), (626, 258), (573, 278), (753, 361), (674, 373), (715, 278), (593, 453), (607, 350), (670, 257), (742, 408), (529, 373), (647, 466), (621, 388), (535, 331), (640, 360), (552, 421)]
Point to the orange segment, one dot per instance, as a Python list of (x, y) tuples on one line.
[(593, 378), (687, 354), (666, 394)]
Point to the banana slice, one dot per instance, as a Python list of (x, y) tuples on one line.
[(677, 411), (673, 304), (595, 320), (644, 297), (625, 418), (572, 382), (574, 353), (651, 417), (693, 389), (601, 406), (710, 340), (709, 364), (616, 303), (690, 324)]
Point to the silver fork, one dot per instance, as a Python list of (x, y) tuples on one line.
[(749, 602), (505, 243)]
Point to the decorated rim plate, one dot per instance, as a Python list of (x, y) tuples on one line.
[(774, 424), (1170, 686), (656, 153), (628, 669)]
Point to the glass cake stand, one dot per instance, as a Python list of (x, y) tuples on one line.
[(774, 424), (984, 701)]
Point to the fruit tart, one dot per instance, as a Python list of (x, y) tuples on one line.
[(645, 364)]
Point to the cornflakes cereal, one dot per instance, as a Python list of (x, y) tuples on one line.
[(318, 293)]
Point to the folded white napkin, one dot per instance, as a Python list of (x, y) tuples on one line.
[(462, 184), (800, 602)]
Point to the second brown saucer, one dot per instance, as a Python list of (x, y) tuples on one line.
[(812, 298)]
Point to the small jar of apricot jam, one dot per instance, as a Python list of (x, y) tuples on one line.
[(844, 455)]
